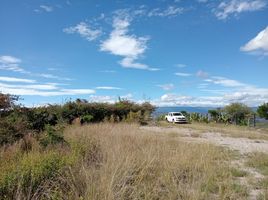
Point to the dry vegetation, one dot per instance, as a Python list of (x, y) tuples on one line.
[(227, 130), (118, 161), (123, 161)]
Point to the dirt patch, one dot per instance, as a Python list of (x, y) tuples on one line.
[(243, 145)]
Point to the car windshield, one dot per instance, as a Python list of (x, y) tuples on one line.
[(177, 114)]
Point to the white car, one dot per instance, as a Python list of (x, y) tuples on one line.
[(176, 117)]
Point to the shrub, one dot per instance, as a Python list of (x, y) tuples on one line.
[(238, 112), (195, 117), (86, 119), (215, 115), (9, 133), (52, 136), (263, 111)]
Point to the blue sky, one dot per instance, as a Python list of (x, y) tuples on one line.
[(180, 52)]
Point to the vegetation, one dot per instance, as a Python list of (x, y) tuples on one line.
[(18, 121), (259, 161), (43, 157), (117, 161), (237, 112), (263, 111)]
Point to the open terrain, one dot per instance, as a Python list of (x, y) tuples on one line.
[(128, 161), (250, 145)]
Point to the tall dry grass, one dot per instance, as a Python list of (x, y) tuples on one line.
[(117, 162), (138, 165)]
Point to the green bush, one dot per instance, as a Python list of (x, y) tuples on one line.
[(263, 111), (86, 119), (238, 113)]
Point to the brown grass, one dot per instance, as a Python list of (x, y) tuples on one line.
[(118, 161), (138, 165), (227, 130)]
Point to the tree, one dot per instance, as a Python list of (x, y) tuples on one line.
[(7, 101), (238, 112), (263, 111)]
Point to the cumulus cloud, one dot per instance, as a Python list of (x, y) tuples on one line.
[(234, 7), (258, 44), (121, 43), (168, 86), (84, 30)]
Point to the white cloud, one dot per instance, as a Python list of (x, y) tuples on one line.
[(234, 7), (13, 79), (225, 82), (9, 60), (249, 96), (46, 8), (170, 11), (42, 90), (108, 88), (183, 74), (168, 86), (259, 44), (102, 99), (10, 63), (130, 47), (108, 99), (51, 76), (84, 30), (36, 86)]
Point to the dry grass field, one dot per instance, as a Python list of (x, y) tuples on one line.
[(110, 161)]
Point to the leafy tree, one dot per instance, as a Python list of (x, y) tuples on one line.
[(263, 111), (238, 112)]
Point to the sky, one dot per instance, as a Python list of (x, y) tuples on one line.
[(168, 52)]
